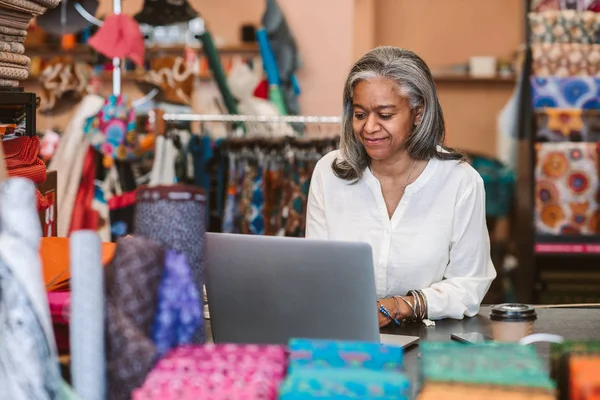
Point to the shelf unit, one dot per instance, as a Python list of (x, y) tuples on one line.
[(552, 268)]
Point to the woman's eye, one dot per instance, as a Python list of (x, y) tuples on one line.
[(386, 116), (360, 115)]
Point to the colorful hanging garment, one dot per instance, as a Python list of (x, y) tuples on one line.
[(112, 131), (567, 193)]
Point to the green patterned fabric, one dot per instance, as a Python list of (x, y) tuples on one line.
[(496, 364)]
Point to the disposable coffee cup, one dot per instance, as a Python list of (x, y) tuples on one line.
[(512, 322)]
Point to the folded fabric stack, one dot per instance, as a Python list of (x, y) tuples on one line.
[(327, 370), (15, 16), (492, 371), (213, 372), (575, 366), (21, 155)]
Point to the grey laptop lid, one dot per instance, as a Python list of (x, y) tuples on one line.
[(265, 289)]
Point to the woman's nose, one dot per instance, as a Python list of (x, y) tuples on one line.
[(371, 124)]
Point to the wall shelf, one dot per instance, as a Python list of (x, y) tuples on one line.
[(465, 78)]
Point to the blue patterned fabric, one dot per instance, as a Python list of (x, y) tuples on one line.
[(257, 220), (179, 312), (572, 92)]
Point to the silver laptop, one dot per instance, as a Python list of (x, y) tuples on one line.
[(264, 289)]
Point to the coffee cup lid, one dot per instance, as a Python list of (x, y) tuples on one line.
[(513, 312)]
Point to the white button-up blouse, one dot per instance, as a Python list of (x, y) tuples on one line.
[(436, 240)]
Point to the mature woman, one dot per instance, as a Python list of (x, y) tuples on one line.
[(394, 185)]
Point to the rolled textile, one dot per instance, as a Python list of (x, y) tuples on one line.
[(12, 47), (17, 59), (14, 19), (175, 216), (13, 71), (24, 6), (132, 280), (88, 367), (29, 366), (12, 39), (6, 30), (21, 152), (8, 83)]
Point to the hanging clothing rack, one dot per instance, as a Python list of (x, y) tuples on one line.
[(251, 118)]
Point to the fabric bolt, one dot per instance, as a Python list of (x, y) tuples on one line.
[(12, 47), (27, 6), (14, 19), (567, 191), (179, 312), (13, 39), (5, 30), (176, 217), (13, 71), (566, 59), (572, 92), (568, 124), (334, 383), (88, 367), (14, 58), (564, 26), (441, 247), (9, 83), (21, 152), (27, 368), (28, 356), (112, 131), (322, 354), (216, 372), (120, 37), (132, 280)]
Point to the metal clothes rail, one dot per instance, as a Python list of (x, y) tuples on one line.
[(251, 118)]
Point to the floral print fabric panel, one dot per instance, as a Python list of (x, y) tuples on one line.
[(112, 130), (566, 59), (567, 191), (573, 92), (568, 124), (579, 5), (564, 26)]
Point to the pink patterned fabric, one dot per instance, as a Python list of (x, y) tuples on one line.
[(215, 372)]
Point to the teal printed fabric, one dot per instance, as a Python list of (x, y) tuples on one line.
[(573, 92), (345, 383), (338, 354), (496, 364)]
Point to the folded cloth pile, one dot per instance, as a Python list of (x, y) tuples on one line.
[(339, 370), (15, 16), (21, 155), (228, 371), (507, 371)]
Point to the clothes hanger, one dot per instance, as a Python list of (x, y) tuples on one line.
[(116, 61)]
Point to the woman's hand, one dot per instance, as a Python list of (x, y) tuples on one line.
[(397, 308)]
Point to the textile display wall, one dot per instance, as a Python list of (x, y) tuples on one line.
[(565, 91)]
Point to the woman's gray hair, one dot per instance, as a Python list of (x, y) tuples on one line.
[(415, 82)]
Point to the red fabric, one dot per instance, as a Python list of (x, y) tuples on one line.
[(21, 156), (119, 36), (122, 201), (262, 90), (21, 152), (84, 216)]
